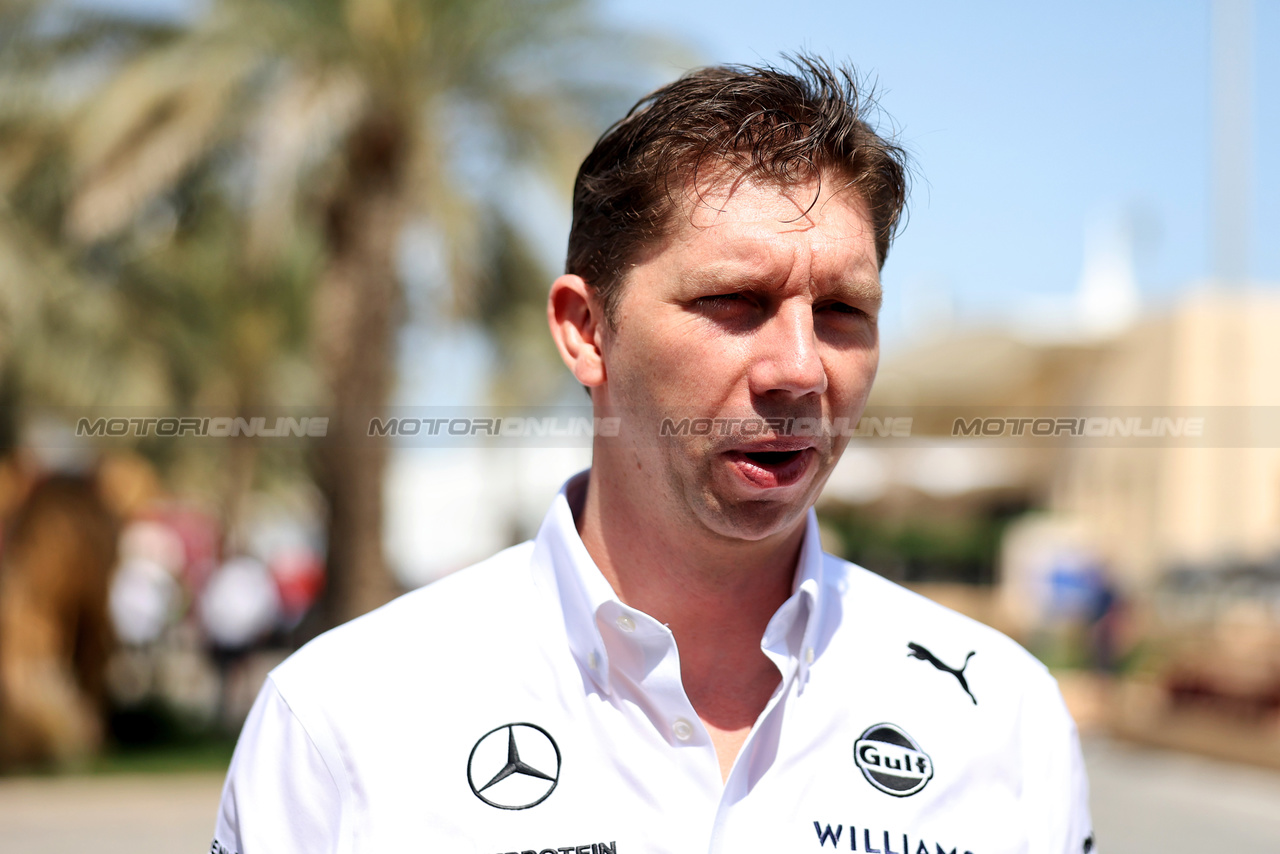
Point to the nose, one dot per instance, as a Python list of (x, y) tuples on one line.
[(786, 358)]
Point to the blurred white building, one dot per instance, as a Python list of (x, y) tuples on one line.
[(1137, 508)]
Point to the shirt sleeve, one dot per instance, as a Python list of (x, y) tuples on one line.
[(1057, 785), (281, 795)]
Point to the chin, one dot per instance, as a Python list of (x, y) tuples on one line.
[(752, 521)]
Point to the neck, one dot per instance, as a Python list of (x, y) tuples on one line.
[(716, 595)]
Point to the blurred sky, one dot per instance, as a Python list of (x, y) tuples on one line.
[(1028, 123)]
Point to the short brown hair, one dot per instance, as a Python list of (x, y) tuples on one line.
[(785, 125)]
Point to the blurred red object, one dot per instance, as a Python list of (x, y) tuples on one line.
[(299, 576), (201, 539)]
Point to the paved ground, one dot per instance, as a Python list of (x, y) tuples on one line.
[(1145, 802), (144, 814), (1156, 802)]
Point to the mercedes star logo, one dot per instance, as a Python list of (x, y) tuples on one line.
[(502, 777)]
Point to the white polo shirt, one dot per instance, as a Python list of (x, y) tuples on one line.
[(519, 706)]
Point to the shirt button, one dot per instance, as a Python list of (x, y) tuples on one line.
[(808, 656), (592, 661), (626, 623), (683, 729)]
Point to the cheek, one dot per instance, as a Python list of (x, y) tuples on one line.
[(650, 377), (685, 367), (853, 375)]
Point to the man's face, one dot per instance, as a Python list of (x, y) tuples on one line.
[(762, 304)]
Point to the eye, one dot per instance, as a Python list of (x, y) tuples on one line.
[(839, 308), (721, 301)]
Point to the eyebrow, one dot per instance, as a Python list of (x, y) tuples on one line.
[(859, 290), (729, 279)]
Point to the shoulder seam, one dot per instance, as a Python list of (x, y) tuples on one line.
[(339, 777)]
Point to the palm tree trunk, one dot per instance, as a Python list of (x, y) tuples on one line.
[(357, 315)]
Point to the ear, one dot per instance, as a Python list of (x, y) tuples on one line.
[(577, 327)]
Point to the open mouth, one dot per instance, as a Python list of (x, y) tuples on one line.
[(771, 469), (772, 458)]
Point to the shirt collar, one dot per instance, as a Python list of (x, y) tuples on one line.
[(565, 570), (794, 633)]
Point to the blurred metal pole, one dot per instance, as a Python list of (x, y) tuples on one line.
[(1232, 138)]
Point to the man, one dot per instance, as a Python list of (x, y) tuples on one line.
[(673, 665)]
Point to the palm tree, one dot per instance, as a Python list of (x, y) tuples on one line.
[(340, 118)]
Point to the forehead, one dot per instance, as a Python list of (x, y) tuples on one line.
[(742, 222), (722, 194)]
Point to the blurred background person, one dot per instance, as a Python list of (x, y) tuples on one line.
[(55, 637)]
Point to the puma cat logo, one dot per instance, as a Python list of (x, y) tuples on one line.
[(917, 651)]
